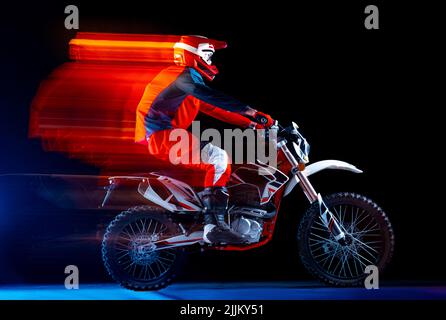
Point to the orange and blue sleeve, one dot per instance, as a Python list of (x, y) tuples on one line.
[(213, 102), (226, 116)]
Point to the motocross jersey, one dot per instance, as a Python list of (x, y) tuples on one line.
[(174, 98)]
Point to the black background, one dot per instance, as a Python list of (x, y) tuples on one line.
[(369, 97)]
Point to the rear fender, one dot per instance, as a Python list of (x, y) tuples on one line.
[(168, 193)]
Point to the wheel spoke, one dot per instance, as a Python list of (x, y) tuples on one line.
[(124, 246), (144, 225), (155, 227), (364, 258), (138, 228), (337, 265), (365, 231), (148, 228), (332, 258), (356, 257), (355, 218), (331, 241), (324, 253), (319, 229), (344, 258), (165, 259), (126, 233), (364, 245), (124, 254), (364, 217)]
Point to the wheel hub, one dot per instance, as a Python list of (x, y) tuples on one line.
[(347, 241), (143, 250)]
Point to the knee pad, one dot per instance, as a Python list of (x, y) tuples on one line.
[(216, 157)]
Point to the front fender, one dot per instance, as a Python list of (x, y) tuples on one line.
[(319, 166)]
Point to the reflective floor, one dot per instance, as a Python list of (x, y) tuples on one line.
[(224, 291)]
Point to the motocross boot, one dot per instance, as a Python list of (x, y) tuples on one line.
[(216, 230)]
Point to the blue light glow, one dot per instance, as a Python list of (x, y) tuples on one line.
[(222, 291)]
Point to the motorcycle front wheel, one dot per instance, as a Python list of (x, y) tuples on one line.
[(131, 253), (369, 240)]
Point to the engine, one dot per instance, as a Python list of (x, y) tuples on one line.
[(249, 228)]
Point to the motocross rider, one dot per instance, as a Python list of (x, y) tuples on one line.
[(172, 100)]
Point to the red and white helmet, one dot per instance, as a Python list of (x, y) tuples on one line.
[(197, 52)]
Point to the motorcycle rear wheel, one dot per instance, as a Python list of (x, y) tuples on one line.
[(129, 249), (370, 240)]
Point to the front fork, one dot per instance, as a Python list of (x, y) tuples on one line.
[(327, 217)]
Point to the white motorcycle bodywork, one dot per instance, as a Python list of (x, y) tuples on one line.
[(181, 197), (319, 166)]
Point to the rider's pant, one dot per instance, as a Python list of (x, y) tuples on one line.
[(188, 152)]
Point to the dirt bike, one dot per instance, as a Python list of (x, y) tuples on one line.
[(338, 236)]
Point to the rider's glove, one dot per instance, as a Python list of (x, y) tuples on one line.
[(264, 121)]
